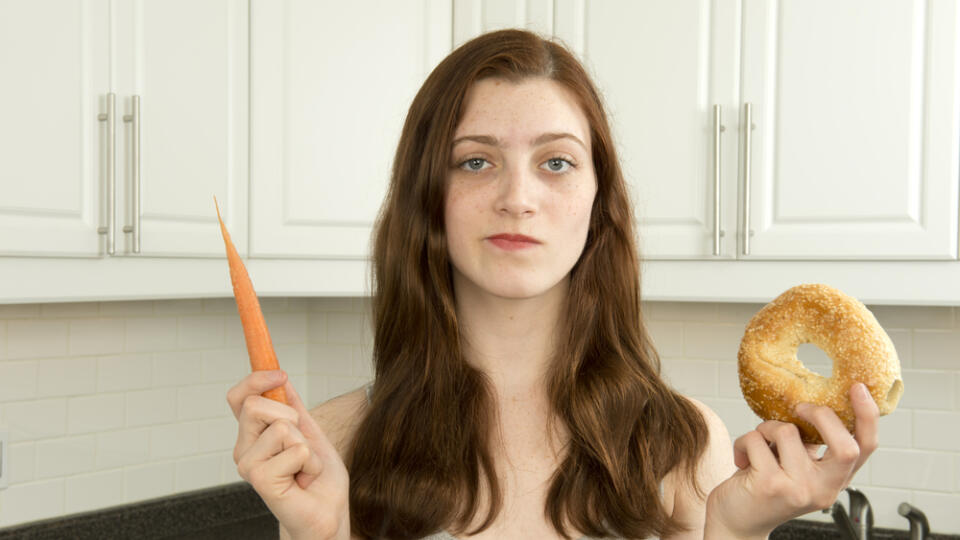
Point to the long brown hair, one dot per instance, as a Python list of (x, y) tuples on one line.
[(420, 458)]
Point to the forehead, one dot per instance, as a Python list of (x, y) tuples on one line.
[(515, 111)]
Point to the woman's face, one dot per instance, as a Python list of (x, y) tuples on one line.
[(521, 165)]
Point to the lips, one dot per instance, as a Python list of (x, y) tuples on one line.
[(515, 238)]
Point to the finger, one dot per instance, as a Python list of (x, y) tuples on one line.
[(842, 449), (752, 450), (257, 414), (865, 430), (279, 436), (307, 424), (255, 383), (791, 452), (297, 461)]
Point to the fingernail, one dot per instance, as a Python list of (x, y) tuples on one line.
[(800, 408), (861, 392)]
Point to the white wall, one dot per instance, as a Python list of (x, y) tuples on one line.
[(116, 402)]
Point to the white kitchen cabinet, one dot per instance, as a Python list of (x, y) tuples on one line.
[(331, 83), (186, 63), (854, 105)]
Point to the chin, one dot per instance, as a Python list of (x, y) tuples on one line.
[(518, 289)]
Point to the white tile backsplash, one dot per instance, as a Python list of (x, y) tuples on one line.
[(117, 402)]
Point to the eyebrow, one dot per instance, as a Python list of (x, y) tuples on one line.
[(542, 139)]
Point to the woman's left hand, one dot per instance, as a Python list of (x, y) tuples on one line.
[(781, 478)]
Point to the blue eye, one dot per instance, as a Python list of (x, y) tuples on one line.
[(473, 164), (555, 164)]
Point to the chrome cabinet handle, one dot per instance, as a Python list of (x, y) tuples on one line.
[(717, 129), (110, 229), (134, 119), (748, 127)]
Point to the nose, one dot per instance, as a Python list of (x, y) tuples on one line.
[(517, 192)]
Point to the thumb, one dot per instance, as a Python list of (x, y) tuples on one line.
[(307, 425)]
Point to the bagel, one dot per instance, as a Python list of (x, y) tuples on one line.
[(774, 381)]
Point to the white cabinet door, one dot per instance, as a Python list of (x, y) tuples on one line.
[(662, 66), (330, 87), (187, 61), (53, 149), (855, 103)]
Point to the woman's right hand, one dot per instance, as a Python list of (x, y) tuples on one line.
[(282, 452)]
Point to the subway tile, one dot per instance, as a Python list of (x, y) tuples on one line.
[(31, 501), (18, 380), (296, 305), (36, 338), (667, 337), (217, 434), (292, 358), (273, 304), (363, 361), (150, 407), (344, 304), (148, 481), (317, 328), (96, 336), (287, 328), (69, 309), (299, 383), (940, 509), (337, 385), (92, 491), (63, 457), (737, 313), (224, 365), (934, 430), (150, 334), (184, 306), (928, 317), (124, 372), (22, 463), (735, 413), (3, 339), (317, 389), (31, 420), (176, 368), (927, 390), (122, 448), (233, 332), (957, 472), (934, 349), (712, 341), (344, 328), (226, 305), (903, 343), (728, 380), (202, 401), (228, 470), (127, 308), (330, 359), (912, 469), (696, 378), (201, 332), (681, 311), (95, 413), (197, 472), (19, 311), (896, 429), (174, 440), (66, 377)]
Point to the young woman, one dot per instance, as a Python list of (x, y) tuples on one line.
[(517, 392)]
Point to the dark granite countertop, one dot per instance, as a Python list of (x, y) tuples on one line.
[(235, 511)]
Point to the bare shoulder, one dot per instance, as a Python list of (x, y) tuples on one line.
[(340, 417), (715, 466)]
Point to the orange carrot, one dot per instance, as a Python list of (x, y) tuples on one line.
[(259, 345)]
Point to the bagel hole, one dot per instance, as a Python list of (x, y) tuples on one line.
[(814, 359)]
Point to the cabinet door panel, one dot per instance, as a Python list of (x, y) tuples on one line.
[(187, 61), (329, 95), (661, 67), (52, 147), (855, 108)]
